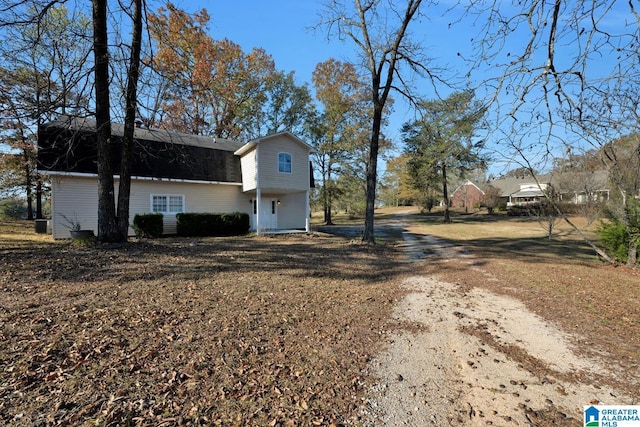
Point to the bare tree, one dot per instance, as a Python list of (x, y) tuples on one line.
[(492, 198), (30, 18), (380, 30), (555, 66), (107, 224), (582, 183), (131, 102), (44, 74), (24, 13)]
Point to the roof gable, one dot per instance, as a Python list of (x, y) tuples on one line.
[(251, 145), (511, 185), (465, 184)]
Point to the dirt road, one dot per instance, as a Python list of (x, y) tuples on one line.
[(471, 357)]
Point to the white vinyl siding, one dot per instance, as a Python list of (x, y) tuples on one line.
[(211, 198), (262, 165), (291, 211), (249, 171), (268, 156), (77, 198)]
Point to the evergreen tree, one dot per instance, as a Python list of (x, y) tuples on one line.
[(440, 145)]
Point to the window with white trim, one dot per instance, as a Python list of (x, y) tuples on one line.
[(167, 203), (284, 162)]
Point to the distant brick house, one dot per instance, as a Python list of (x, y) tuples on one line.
[(467, 195), (570, 187)]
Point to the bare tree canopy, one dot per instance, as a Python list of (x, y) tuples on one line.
[(564, 75), (42, 75), (559, 71), (14, 13)]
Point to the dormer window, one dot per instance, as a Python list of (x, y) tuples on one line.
[(284, 162)]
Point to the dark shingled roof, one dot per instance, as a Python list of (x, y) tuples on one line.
[(69, 145)]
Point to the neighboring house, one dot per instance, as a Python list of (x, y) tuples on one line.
[(467, 195), (582, 187), (172, 172), (571, 187), (529, 193), (520, 191)]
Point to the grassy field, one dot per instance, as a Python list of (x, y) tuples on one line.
[(229, 331), (261, 330)]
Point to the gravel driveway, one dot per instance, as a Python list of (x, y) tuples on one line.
[(462, 361)]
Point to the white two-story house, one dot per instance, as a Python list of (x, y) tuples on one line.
[(268, 178)]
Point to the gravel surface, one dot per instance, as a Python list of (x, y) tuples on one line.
[(443, 375), (472, 357)]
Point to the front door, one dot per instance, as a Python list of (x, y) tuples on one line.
[(268, 214)]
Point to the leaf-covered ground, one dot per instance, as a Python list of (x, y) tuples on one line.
[(261, 330), (226, 331)]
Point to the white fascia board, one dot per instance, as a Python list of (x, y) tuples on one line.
[(139, 178), (245, 149)]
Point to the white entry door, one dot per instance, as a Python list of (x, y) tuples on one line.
[(268, 214)]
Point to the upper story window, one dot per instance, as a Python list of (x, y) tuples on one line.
[(167, 204), (284, 162)]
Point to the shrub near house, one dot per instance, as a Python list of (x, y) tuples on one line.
[(206, 224), (148, 225)]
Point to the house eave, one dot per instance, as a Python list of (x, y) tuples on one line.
[(138, 178), (245, 149), (249, 146)]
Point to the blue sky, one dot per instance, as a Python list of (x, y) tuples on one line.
[(284, 29), (280, 27)]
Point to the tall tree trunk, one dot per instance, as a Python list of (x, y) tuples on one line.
[(629, 223), (325, 203), (368, 232), (632, 257), (38, 196), (379, 91), (38, 177), (445, 193), (328, 213), (107, 224), (124, 190), (324, 199), (28, 183)]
